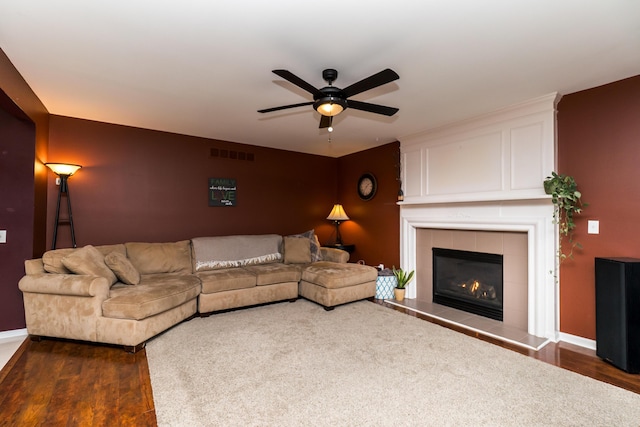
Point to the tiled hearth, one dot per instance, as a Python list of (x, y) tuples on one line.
[(472, 322)]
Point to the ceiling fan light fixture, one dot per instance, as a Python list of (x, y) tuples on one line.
[(330, 106)]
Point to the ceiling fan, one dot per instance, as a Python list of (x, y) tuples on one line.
[(330, 101)]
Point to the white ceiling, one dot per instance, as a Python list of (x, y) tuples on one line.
[(203, 68)]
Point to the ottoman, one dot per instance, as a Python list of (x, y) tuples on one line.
[(330, 284)]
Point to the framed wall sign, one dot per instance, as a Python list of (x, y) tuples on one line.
[(222, 192)]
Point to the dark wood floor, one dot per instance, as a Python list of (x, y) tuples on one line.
[(65, 383), (58, 382)]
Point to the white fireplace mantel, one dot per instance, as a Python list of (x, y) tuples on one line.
[(486, 174), (530, 216)]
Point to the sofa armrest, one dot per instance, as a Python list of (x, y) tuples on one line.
[(65, 284), (63, 305), (334, 255)]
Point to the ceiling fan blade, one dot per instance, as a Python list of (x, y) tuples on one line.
[(378, 79), (372, 108), (325, 121), (288, 75), (284, 107)]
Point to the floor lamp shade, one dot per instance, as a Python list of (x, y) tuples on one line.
[(63, 168)]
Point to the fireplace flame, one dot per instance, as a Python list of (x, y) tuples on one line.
[(475, 286), (479, 290)]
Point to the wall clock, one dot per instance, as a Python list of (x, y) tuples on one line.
[(367, 186)]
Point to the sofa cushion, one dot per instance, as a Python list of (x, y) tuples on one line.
[(218, 252), (152, 258), (155, 294), (297, 250), (226, 279), (334, 275), (88, 260), (52, 259), (122, 267), (269, 274), (316, 254)]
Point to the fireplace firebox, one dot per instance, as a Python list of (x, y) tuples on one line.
[(469, 281)]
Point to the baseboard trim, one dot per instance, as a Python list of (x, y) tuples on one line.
[(13, 335), (579, 341)]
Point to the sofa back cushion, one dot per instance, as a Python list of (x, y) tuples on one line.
[(34, 266), (52, 259), (212, 253), (152, 258)]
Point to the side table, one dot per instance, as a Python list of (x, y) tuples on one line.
[(348, 248), (385, 286)]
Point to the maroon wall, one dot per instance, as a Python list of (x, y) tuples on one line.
[(599, 145), (144, 185), (17, 143), (375, 224), (23, 139)]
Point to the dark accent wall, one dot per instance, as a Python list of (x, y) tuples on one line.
[(17, 141), (599, 145), (23, 141), (375, 224), (144, 185)]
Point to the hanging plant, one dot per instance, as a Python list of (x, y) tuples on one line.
[(567, 201)]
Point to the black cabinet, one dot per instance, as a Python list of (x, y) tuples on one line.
[(618, 312)]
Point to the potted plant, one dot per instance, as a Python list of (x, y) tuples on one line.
[(402, 278), (567, 201)]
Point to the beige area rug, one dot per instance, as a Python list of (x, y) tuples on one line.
[(295, 364)]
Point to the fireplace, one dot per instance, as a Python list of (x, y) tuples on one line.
[(510, 152), (469, 281)]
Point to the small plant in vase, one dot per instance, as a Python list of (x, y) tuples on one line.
[(403, 278)]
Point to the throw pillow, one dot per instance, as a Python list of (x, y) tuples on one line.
[(297, 250), (316, 254), (122, 267), (88, 260)]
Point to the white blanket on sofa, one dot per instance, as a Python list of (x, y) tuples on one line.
[(211, 253)]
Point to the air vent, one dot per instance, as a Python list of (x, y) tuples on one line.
[(232, 154)]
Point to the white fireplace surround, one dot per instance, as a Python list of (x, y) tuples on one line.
[(486, 174)]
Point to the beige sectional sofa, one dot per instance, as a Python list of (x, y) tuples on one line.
[(127, 293)]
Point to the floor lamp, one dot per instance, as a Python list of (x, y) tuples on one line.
[(64, 171), (338, 215)]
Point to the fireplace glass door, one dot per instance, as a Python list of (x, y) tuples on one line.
[(469, 281)]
